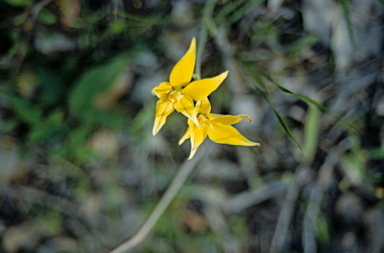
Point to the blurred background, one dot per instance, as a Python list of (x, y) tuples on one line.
[(80, 170)]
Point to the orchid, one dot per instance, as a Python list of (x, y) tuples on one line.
[(218, 128), (179, 93)]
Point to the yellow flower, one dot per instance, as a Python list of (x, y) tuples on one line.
[(172, 95), (216, 126)]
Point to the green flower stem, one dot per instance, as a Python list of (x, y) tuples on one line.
[(182, 175), (207, 17)]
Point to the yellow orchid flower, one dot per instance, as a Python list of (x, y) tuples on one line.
[(216, 126), (172, 95)]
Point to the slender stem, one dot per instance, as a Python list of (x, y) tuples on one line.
[(182, 175), (207, 16)]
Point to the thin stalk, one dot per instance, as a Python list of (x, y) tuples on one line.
[(182, 175), (207, 16)]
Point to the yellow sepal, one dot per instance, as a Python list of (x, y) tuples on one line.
[(198, 135), (226, 134), (164, 107), (227, 119), (186, 106), (182, 73), (198, 90), (162, 89)]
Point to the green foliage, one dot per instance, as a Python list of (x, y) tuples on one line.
[(311, 133), (304, 42), (51, 127), (242, 11), (47, 119), (47, 17), (19, 3), (53, 88), (322, 230), (263, 91), (24, 109), (20, 19), (94, 82), (227, 9), (265, 31), (346, 9)]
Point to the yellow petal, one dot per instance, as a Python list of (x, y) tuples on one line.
[(198, 135), (164, 107), (203, 106), (162, 89), (186, 106), (182, 73), (225, 134), (227, 119), (185, 136), (201, 89)]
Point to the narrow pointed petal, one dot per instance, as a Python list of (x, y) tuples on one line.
[(198, 90), (227, 119), (182, 73), (186, 136), (198, 135), (164, 107), (228, 135), (203, 106), (162, 89), (186, 106)]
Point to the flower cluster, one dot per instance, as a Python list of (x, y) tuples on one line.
[(180, 93)]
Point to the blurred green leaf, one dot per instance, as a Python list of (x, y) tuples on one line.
[(304, 98), (24, 109), (231, 6), (20, 19), (266, 32), (117, 26), (50, 221), (259, 83), (19, 3), (48, 128), (282, 122), (53, 88), (304, 42), (238, 225), (241, 12), (263, 91), (343, 121), (322, 230), (148, 19), (95, 81), (75, 148), (311, 133), (346, 5), (8, 125), (376, 153), (47, 17)]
